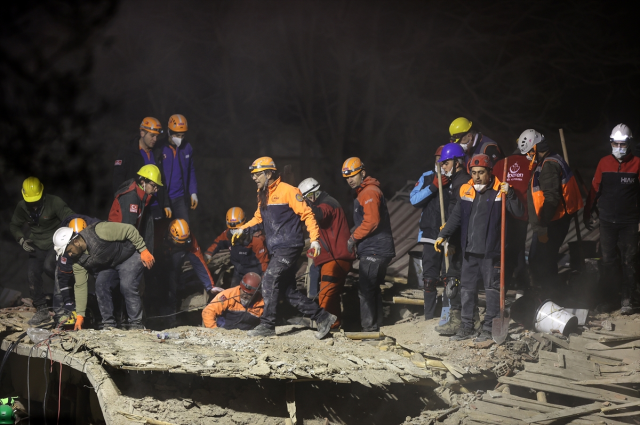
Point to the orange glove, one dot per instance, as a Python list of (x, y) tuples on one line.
[(147, 258), (79, 322), (167, 212)]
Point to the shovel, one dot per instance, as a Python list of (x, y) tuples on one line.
[(500, 325)]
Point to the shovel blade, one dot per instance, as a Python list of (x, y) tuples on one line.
[(500, 329)]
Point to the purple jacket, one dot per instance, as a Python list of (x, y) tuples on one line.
[(184, 168)]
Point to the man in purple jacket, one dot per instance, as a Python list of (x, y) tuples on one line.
[(178, 169)]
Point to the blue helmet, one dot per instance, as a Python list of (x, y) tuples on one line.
[(451, 151)]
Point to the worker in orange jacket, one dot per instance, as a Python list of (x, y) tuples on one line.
[(239, 307)]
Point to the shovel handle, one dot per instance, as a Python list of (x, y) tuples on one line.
[(503, 226)]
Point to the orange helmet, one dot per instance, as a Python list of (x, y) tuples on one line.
[(178, 123), (250, 283), (179, 230), (261, 164), (352, 166), (152, 125), (235, 217), (77, 224)]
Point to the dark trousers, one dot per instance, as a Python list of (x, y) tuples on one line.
[(515, 265), (622, 238), (431, 266), (128, 276), (372, 271), (455, 269), (543, 257), (180, 209), (40, 261), (59, 295), (280, 280), (474, 268)]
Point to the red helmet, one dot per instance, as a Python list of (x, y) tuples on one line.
[(479, 160), (439, 150), (250, 283)]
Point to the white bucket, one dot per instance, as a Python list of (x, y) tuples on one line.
[(550, 318)]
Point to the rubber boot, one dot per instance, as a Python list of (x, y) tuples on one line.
[(477, 323), (452, 326)]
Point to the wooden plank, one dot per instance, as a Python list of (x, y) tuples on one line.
[(613, 339), (593, 357), (490, 419), (632, 379), (544, 368), (565, 413), (557, 341), (502, 411)]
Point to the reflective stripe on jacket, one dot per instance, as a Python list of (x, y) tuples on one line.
[(572, 199)]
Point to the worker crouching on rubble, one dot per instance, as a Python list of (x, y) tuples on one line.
[(249, 254), (117, 254), (281, 209), (479, 215), (239, 307)]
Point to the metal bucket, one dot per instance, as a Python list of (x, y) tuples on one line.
[(551, 318)]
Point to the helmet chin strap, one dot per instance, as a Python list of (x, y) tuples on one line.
[(535, 154)]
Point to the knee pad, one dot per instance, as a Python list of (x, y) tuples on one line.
[(430, 284), (451, 286)]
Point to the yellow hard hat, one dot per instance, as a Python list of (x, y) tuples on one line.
[(235, 217), (179, 230), (261, 164), (78, 225), (152, 173), (458, 128), (352, 166), (32, 189)]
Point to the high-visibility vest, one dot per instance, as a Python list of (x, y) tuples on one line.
[(572, 199)]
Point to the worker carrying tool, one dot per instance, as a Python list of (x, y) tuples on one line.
[(117, 254), (42, 213), (239, 307), (334, 261), (425, 195), (616, 192), (249, 254), (138, 153), (552, 197), (478, 215), (372, 239), (472, 141), (453, 160), (178, 167), (280, 211)]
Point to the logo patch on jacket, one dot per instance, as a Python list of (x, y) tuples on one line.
[(186, 156), (627, 180), (222, 298), (63, 260), (299, 197), (118, 162), (133, 208)]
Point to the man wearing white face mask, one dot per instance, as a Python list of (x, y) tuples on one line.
[(472, 141), (616, 191), (179, 171)]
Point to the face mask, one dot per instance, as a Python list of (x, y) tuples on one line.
[(449, 173), (465, 147), (176, 140), (479, 187), (619, 152)]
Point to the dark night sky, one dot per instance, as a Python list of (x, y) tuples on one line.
[(308, 82)]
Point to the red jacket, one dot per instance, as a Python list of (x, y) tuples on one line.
[(334, 230), (127, 208)]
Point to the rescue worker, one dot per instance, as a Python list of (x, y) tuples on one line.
[(334, 261), (281, 209), (6, 415), (552, 197), (452, 160), (371, 238), (472, 141), (425, 195), (479, 217), (116, 253), (249, 254), (138, 153), (518, 177), (43, 213), (616, 192), (239, 307), (177, 165)]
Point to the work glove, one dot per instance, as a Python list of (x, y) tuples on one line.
[(543, 237), (236, 236), (194, 201), (504, 187), (215, 290), (79, 322), (147, 258), (315, 246), (438, 244), (207, 257), (68, 318), (167, 212), (442, 227), (351, 245), (445, 181), (27, 244)]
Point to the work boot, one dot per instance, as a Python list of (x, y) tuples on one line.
[(463, 334), (41, 317), (452, 326), (626, 307), (262, 330), (484, 336), (324, 326), (477, 323)]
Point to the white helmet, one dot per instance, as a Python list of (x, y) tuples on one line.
[(528, 139), (620, 133), (61, 239), (308, 185)]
